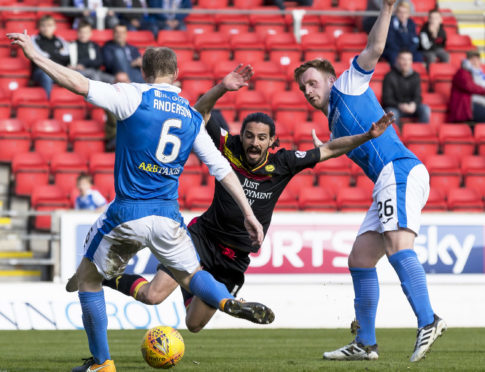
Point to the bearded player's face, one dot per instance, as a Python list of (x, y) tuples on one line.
[(256, 141)]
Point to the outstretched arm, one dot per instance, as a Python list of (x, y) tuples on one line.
[(377, 38), (235, 80), (63, 76), (342, 145)]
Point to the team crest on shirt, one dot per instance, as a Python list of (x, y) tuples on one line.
[(269, 168), (300, 154)]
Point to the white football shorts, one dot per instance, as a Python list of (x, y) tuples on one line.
[(399, 195)]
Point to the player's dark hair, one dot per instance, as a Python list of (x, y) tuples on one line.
[(404, 50), (321, 65), (260, 117), (434, 10), (159, 62)]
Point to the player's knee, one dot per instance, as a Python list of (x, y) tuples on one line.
[(193, 326), (357, 259), (152, 298)]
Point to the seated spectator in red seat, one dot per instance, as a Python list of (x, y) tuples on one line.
[(85, 55), (169, 21), (401, 90), (89, 199), (467, 100), (402, 35), (432, 39), (375, 5), (118, 56), (51, 46), (89, 13)]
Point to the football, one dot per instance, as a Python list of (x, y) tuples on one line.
[(162, 347)]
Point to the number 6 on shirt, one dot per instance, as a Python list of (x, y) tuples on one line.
[(166, 138)]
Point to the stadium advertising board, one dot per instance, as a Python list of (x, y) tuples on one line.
[(317, 243)]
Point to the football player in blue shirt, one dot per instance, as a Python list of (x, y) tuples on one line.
[(400, 192), (156, 131)]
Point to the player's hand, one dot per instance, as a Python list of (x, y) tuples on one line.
[(381, 125), (389, 2), (254, 229), (238, 78), (316, 140), (23, 41)]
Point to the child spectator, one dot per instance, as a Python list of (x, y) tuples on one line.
[(51, 46), (89, 199), (85, 55), (432, 39)]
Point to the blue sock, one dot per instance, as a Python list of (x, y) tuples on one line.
[(413, 283), (366, 288), (204, 286), (96, 324)]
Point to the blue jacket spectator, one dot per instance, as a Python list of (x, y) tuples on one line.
[(402, 35), (169, 21), (119, 56)]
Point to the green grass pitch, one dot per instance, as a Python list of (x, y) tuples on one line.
[(459, 349)]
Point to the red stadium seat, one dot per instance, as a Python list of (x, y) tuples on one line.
[(140, 38), (267, 23), (48, 198), (287, 201), (66, 105), (350, 45), (479, 134), (322, 4), (444, 171), (380, 71), (200, 23), (309, 24), (87, 137), (66, 167), (179, 41), (334, 174), (196, 77), (436, 101), (199, 198), (269, 78), (49, 138), (14, 74), (226, 106), (303, 133), (212, 4), (289, 105), (212, 47), (353, 199), (319, 45), (101, 166), (376, 87), (232, 24), (441, 75), (67, 34), (5, 105), (283, 49), (364, 183), (102, 36), (464, 200), (420, 68), (473, 169), (436, 201), (251, 101), (456, 139), (459, 43), (316, 199), (421, 139), (303, 179), (424, 5), (14, 139), (31, 104), (247, 4), (247, 48), (30, 169)]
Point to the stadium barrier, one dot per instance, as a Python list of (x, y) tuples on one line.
[(300, 272)]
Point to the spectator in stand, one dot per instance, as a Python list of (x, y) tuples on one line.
[(467, 100), (132, 21), (402, 35), (401, 90), (89, 12), (85, 55), (51, 46), (375, 6), (89, 199), (119, 56), (432, 39), (281, 3), (170, 20)]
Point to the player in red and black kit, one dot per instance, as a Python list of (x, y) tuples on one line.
[(219, 234)]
